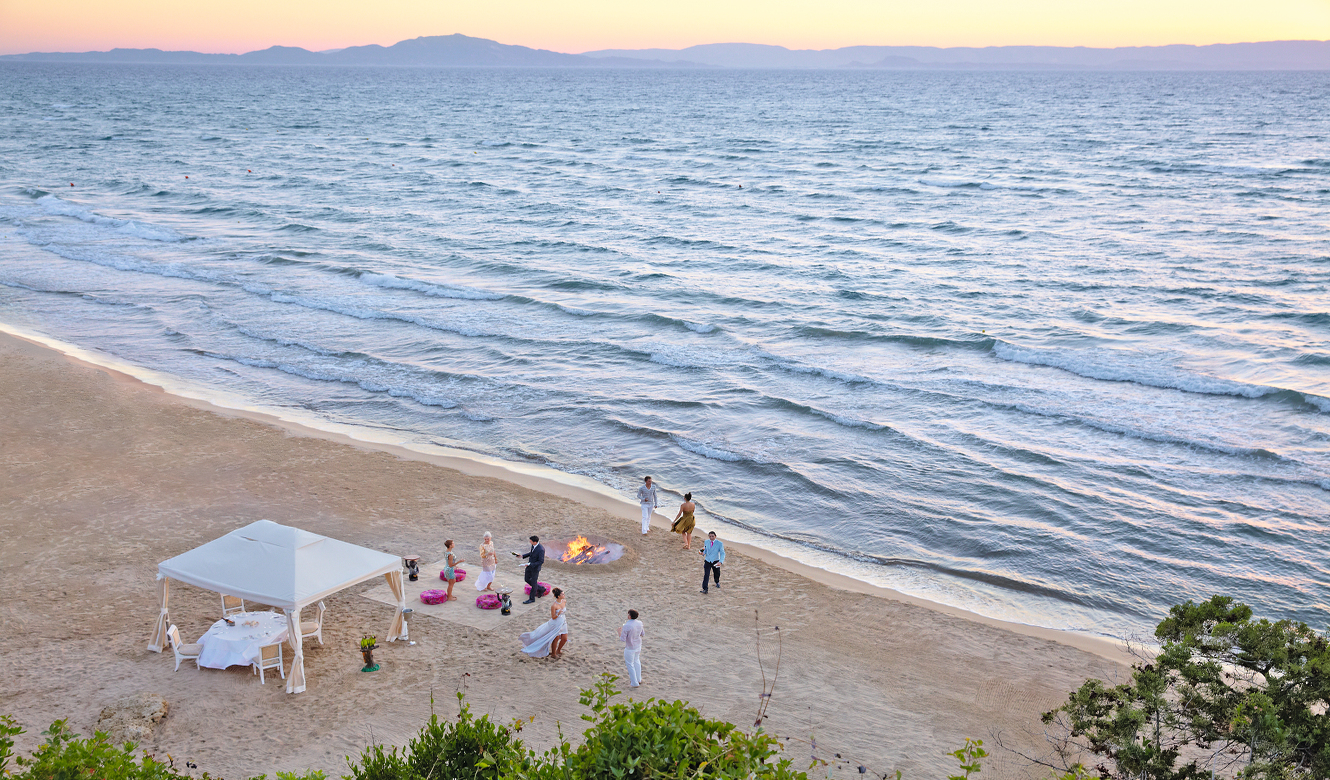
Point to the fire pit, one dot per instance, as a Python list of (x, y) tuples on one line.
[(587, 553)]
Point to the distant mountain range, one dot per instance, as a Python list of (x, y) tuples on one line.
[(445, 51)]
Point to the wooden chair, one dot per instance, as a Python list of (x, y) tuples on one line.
[(232, 605), (270, 657), (183, 652), (314, 628)]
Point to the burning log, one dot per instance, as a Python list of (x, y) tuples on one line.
[(581, 550)]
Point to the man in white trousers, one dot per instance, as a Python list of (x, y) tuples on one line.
[(631, 635), (646, 496)]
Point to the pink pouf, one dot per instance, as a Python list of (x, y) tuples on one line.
[(434, 596), (460, 574), (527, 588), (488, 601)]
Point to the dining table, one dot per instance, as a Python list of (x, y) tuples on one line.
[(238, 642)]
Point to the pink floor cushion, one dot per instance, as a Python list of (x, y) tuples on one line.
[(460, 574), (488, 601), (527, 588), (434, 596)]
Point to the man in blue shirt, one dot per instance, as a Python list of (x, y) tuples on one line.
[(713, 555)]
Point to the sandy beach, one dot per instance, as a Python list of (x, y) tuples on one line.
[(102, 477)]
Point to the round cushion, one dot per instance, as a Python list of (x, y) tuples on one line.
[(527, 588), (488, 601), (434, 596), (458, 574)]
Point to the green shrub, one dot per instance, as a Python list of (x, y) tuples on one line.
[(376, 763), (9, 729), (656, 739), (66, 756), (470, 749), (1228, 694)]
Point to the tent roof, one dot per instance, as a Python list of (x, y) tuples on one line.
[(277, 565)]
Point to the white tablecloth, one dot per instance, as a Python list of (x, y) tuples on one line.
[(239, 645)]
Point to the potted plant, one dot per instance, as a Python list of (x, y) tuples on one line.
[(367, 646)]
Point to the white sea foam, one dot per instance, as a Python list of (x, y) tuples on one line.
[(391, 282), (936, 181), (63, 208), (106, 259), (707, 450), (699, 327), (849, 422), (1129, 367), (324, 375), (690, 356)]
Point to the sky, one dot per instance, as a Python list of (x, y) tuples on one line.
[(238, 26)]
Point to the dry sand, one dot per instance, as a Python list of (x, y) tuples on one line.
[(102, 477)]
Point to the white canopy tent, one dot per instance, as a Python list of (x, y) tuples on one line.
[(282, 567)]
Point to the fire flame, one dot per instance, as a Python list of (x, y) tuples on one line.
[(581, 551)]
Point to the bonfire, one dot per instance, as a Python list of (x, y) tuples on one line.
[(580, 550)]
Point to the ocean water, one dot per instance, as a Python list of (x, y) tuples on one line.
[(1051, 347)]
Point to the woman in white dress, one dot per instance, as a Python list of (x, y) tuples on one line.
[(489, 561), (549, 639)]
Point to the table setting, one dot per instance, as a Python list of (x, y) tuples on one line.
[(235, 641)]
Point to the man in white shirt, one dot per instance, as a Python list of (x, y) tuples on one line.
[(646, 496), (631, 635)]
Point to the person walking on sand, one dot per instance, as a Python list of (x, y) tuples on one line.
[(631, 635), (713, 555), (489, 563), (449, 566), (684, 522), (536, 556), (552, 635), (646, 496)]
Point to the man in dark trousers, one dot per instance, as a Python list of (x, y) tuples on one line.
[(536, 559)]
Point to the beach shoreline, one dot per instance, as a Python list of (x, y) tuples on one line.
[(103, 476), (544, 479)]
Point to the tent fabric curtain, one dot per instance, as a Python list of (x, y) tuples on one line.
[(394, 579), (158, 640), (295, 680)]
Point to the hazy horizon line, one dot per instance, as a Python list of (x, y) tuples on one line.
[(682, 48)]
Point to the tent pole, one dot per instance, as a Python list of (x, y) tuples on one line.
[(158, 639)]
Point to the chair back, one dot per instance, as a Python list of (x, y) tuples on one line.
[(232, 604), (173, 634), (271, 652)]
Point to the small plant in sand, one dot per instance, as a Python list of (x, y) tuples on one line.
[(367, 646)]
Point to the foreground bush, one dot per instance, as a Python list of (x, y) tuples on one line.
[(633, 741), (469, 749), (66, 756), (1227, 696)]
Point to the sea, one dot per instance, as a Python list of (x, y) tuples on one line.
[(1050, 347)]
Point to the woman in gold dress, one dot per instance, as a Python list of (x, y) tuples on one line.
[(683, 522)]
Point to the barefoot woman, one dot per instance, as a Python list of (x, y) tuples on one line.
[(683, 522)]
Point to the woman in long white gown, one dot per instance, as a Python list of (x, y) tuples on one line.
[(538, 643)]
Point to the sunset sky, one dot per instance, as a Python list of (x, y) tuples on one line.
[(582, 25)]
